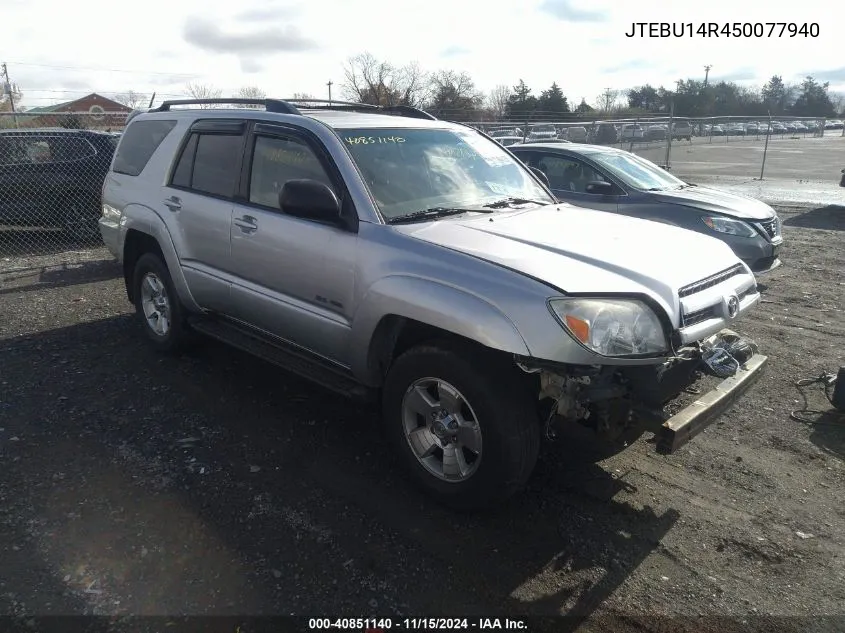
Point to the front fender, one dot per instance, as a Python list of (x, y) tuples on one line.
[(445, 307), (144, 220)]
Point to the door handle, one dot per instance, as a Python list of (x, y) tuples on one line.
[(173, 203), (247, 224)]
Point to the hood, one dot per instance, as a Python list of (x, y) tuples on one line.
[(585, 251), (718, 201)]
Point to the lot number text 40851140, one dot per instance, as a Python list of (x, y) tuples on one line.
[(723, 29), (381, 625)]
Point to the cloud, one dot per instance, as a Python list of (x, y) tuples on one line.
[(268, 13), (565, 10), (250, 66), (633, 64), (454, 51), (210, 37), (834, 76)]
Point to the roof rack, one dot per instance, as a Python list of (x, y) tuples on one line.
[(286, 106), (325, 104), (271, 105)]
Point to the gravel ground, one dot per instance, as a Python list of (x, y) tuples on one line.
[(216, 484)]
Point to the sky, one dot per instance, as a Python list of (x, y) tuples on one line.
[(293, 46)]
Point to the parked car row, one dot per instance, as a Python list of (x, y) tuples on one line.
[(414, 262)]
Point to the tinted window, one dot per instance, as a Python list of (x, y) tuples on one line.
[(138, 143), (182, 173), (216, 164), (277, 160), (567, 174), (70, 148)]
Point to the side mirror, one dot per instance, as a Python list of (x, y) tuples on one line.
[(599, 187), (309, 199), (542, 176)]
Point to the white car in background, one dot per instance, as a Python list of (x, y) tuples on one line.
[(632, 132)]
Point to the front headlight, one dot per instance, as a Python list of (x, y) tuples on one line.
[(729, 226), (612, 327)]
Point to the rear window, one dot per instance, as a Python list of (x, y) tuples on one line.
[(140, 140)]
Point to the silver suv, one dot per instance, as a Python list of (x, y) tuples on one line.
[(389, 255)]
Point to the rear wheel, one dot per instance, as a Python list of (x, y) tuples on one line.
[(462, 422), (157, 305)]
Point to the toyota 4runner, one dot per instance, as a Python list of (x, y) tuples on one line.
[(386, 254)]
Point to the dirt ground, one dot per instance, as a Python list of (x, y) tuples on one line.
[(215, 484)]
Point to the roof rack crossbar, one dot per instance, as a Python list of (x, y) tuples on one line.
[(271, 105), (333, 102)]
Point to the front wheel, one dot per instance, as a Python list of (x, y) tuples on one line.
[(462, 422)]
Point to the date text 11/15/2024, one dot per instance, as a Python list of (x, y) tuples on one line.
[(381, 625), (723, 29)]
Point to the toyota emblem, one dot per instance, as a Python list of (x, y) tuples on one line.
[(733, 306)]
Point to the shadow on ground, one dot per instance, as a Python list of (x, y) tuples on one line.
[(829, 432), (215, 482), (831, 218), (63, 275)]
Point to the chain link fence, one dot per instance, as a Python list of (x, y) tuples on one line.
[(52, 169), (52, 165), (723, 146)]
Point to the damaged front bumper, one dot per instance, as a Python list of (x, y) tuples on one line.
[(695, 417), (619, 403)]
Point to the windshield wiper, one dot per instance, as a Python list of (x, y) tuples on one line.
[(506, 202), (432, 214)]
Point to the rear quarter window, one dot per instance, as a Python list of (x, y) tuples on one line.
[(138, 143)]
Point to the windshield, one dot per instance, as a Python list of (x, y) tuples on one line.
[(543, 129), (410, 170), (637, 172)]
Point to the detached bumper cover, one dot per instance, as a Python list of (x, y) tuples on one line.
[(687, 423)]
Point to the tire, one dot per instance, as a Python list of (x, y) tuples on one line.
[(151, 284), (497, 399)]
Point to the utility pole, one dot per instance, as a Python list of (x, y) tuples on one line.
[(329, 84), (707, 73), (7, 89), (607, 97)]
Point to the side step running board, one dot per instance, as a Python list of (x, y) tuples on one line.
[(284, 356)]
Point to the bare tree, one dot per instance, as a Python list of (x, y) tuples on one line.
[(132, 99), (202, 91), (453, 94), (368, 80), (16, 96), (606, 101), (251, 92), (497, 100)]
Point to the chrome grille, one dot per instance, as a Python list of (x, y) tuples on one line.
[(693, 318), (709, 282)]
